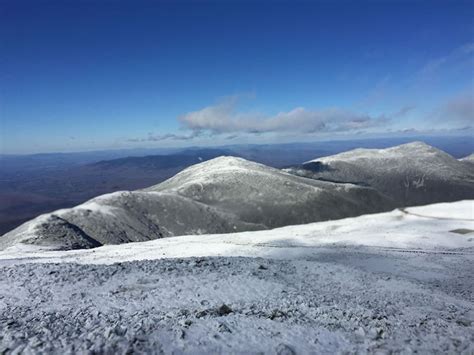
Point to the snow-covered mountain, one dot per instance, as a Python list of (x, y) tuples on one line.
[(394, 282), (469, 159), (261, 195), (223, 195), (409, 174)]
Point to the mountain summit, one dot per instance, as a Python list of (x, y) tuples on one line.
[(410, 174)]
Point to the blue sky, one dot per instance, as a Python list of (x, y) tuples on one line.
[(82, 75)]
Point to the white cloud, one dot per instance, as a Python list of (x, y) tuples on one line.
[(168, 136), (223, 118)]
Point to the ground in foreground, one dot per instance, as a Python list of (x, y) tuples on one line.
[(316, 297)]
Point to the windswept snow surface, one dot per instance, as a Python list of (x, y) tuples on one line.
[(392, 282)]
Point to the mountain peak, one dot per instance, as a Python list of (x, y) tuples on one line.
[(408, 150), (468, 159), (411, 174), (219, 165), (418, 145)]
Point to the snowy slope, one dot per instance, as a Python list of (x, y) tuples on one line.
[(222, 195), (469, 159), (410, 174), (123, 217), (259, 194), (396, 282), (428, 228)]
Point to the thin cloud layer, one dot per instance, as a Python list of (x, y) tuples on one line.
[(459, 109), (224, 121), (459, 54), (223, 118), (169, 136)]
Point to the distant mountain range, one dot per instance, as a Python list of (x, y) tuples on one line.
[(230, 194)]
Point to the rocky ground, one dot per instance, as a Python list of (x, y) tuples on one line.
[(339, 300)]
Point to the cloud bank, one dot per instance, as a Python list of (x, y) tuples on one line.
[(169, 136), (223, 118)]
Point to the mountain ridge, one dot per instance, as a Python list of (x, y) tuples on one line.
[(223, 195), (410, 174), (230, 194)]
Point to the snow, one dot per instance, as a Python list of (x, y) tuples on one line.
[(95, 207), (97, 204), (410, 174), (221, 169), (397, 152), (468, 159), (396, 282), (425, 228), (458, 210), (223, 195)]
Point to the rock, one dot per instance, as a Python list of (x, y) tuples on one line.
[(202, 314), (283, 349), (224, 310), (276, 313), (223, 328), (185, 323), (360, 332), (464, 321), (375, 333)]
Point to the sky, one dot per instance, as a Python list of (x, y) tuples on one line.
[(87, 75)]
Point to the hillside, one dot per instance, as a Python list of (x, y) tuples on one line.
[(223, 195), (409, 174), (469, 159), (259, 194), (51, 183)]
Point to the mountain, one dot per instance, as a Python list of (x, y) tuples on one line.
[(409, 174), (259, 194), (48, 184), (469, 159), (122, 217), (158, 162), (222, 195), (387, 283), (31, 185)]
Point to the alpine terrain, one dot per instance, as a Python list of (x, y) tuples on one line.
[(395, 282), (409, 174), (222, 195)]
